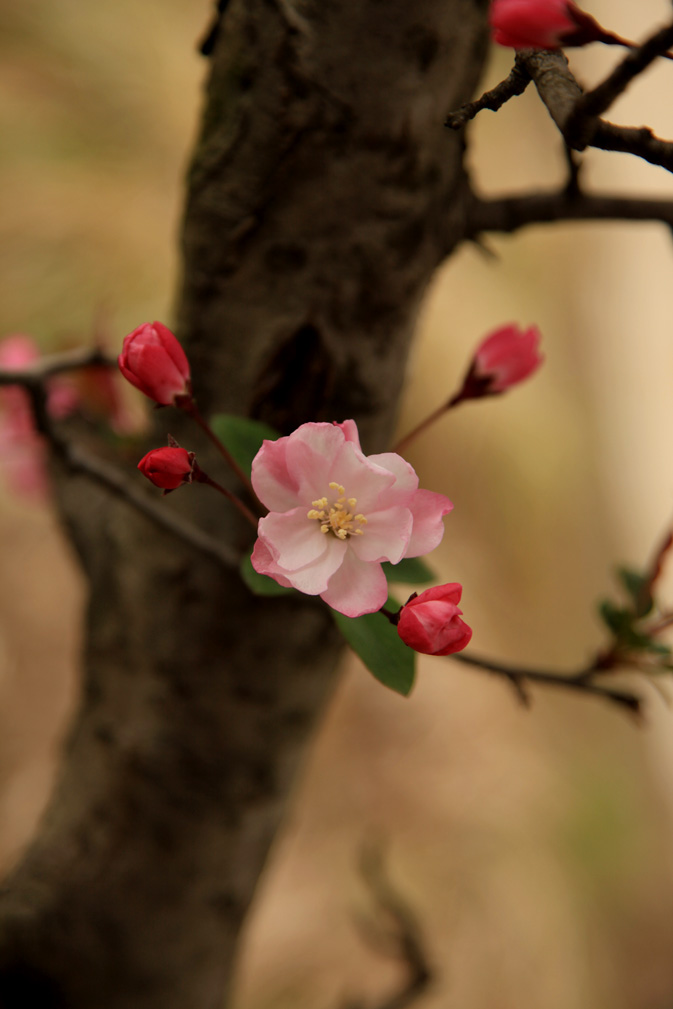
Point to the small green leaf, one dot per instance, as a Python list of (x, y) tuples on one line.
[(376, 641), (616, 619), (635, 585), (242, 436), (412, 570), (261, 585)]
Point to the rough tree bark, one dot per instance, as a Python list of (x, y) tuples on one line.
[(323, 194)]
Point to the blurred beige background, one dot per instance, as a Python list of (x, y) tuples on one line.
[(536, 846)]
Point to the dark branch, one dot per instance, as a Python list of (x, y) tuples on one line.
[(509, 213), (55, 364), (637, 140), (402, 940), (33, 380), (599, 99), (515, 84), (561, 94), (580, 681), (116, 483)]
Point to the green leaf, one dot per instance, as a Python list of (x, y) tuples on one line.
[(376, 641), (412, 570), (261, 585), (242, 436), (616, 619), (635, 585)]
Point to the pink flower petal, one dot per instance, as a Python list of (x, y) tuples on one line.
[(350, 430), (360, 478), (385, 537), (406, 479), (311, 450), (293, 539), (264, 564), (356, 588), (271, 480), (314, 578), (428, 508)]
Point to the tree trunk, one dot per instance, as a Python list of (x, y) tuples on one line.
[(323, 194)]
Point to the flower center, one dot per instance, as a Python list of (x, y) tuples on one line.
[(339, 517)]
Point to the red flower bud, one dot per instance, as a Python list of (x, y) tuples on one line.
[(503, 359), (169, 467), (545, 24), (430, 623), (153, 361)]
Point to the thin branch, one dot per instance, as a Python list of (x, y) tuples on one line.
[(654, 573), (403, 940), (580, 681), (515, 84), (599, 99), (54, 364), (116, 482), (561, 94), (509, 213), (76, 460), (637, 140)]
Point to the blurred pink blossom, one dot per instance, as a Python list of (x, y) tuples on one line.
[(22, 451)]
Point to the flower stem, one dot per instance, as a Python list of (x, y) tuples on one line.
[(200, 477), (191, 409), (428, 421)]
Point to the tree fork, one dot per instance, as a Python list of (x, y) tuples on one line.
[(323, 194)]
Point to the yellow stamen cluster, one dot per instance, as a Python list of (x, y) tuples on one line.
[(339, 517)]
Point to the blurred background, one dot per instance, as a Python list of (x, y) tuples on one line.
[(536, 847)]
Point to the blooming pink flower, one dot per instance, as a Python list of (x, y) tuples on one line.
[(153, 361), (168, 468), (336, 514), (503, 359), (545, 24), (430, 622), (22, 451)]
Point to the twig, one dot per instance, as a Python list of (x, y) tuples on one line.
[(655, 569), (515, 84), (54, 364), (116, 483), (637, 140), (188, 406), (561, 95), (33, 380), (580, 681), (599, 99), (200, 477), (509, 213), (403, 940)]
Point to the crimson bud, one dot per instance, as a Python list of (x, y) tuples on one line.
[(546, 24), (153, 361), (502, 360), (169, 467), (430, 622)]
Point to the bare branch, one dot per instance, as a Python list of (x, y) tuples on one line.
[(561, 94), (509, 213), (33, 380), (637, 140), (54, 364), (403, 940), (515, 84), (599, 99), (117, 483), (580, 681)]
